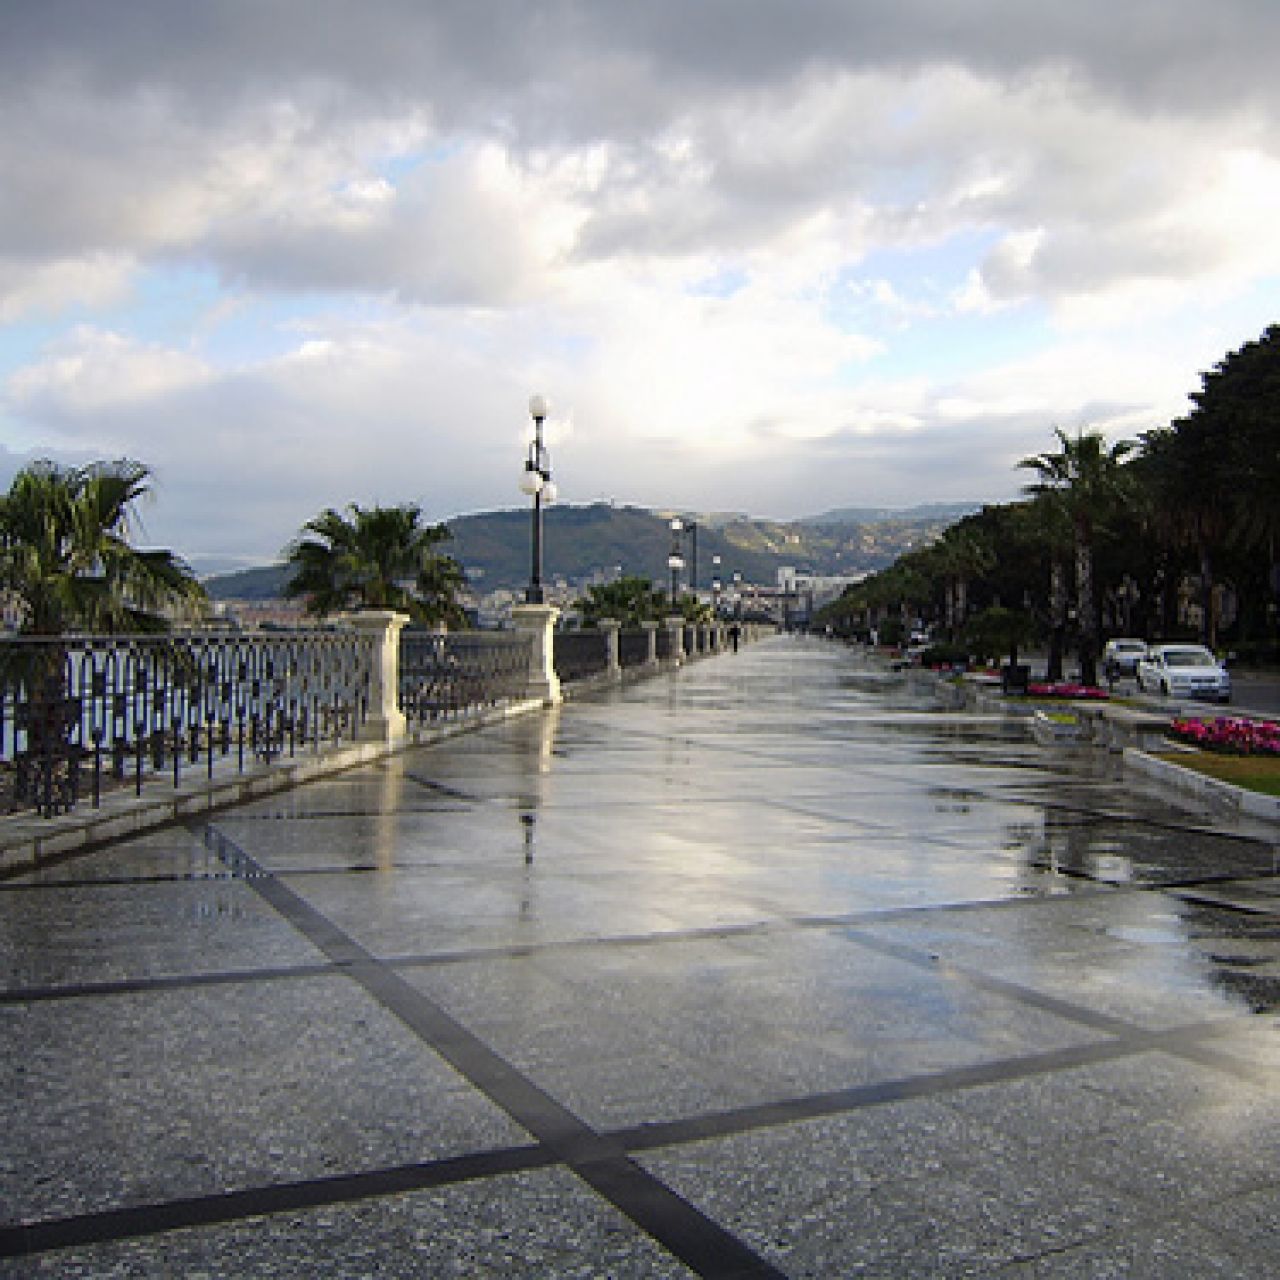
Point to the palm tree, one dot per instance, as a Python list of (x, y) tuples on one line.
[(67, 562), (375, 558), (629, 600), (1086, 479), (962, 554), (66, 558)]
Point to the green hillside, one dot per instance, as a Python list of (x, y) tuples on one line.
[(493, 547)]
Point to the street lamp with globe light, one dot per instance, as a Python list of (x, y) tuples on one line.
[(535, 481), (675, 561)]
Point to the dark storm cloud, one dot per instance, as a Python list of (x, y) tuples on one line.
[(526, 62)]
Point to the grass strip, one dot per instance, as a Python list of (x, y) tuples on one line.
[(1254, 773)]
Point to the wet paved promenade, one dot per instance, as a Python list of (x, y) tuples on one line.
[(764, 968)]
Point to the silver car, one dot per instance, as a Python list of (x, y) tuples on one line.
[(1183, 671), (1120, 657)]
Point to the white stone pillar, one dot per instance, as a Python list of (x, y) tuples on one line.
[(675, 640), (651, 630), (385, 721), (609, 629), (539, 621)]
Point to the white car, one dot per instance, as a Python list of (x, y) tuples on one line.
[(1183, 671), (1120, 657)]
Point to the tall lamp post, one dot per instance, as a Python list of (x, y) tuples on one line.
[(715, 585), (536, 482), (675, 561)]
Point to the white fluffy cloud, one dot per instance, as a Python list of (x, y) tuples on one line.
[(773, 257)]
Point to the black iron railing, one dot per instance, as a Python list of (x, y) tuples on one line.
[(579, 655), (633, 648), (84, 714), (444, 676)]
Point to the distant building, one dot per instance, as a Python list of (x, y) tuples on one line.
[(814, 589)]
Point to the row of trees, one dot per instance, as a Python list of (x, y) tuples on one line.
[(1169, 534), (632, 600), (68, 563), (67, 560)]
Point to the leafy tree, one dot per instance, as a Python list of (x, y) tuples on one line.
[(66, 555), (1214, 474), (629, 600), (997, 631), (375, 558), (1084, 480), (1239, 405), (962, 554)]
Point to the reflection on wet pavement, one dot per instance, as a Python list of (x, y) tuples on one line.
[(768, 966)]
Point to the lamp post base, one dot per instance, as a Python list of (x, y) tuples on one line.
[(540, 620)]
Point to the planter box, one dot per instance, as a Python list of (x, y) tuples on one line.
[(1049, 732)]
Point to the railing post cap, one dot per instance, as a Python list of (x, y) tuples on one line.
[(375, 619)]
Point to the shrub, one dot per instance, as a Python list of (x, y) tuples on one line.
[(945, 655)]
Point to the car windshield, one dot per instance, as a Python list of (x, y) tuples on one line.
[(1129, 646), (1189, 658)]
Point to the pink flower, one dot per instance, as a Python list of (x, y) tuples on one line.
[(1235, 735), (1066, 689)]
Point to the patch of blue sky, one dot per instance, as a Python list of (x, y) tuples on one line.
[(167, 305), (951, 345), (195, 311), (905, 298), (720, 284), (943, 264), (395, 168), (23, 343)]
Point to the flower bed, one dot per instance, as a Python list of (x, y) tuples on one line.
[(1231, 735), (1066, 689)]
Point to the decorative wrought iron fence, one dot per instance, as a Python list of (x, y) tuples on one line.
[(445, 676), (633, 648), (580, 654), (85, 713)]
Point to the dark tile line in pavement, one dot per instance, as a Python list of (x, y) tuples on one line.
[(1080, 816), (168, 982), (117, 882), (441, 788), (132, 1221), (328, 814), (1223, 904), (857, 920), (1181, 1042), (651, 1135), (698, 1241), (288, 1197)]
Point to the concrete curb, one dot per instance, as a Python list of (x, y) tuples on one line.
[(1212, 791)]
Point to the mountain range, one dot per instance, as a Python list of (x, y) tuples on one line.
[(601, 540)]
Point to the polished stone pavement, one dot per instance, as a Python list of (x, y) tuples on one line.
[(764, 967)]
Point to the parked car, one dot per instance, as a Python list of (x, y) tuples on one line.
[(1120, 657), (1183, 671)]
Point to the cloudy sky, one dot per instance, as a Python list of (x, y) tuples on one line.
[(762, 255)]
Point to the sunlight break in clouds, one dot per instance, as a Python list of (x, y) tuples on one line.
[(776, 258)]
